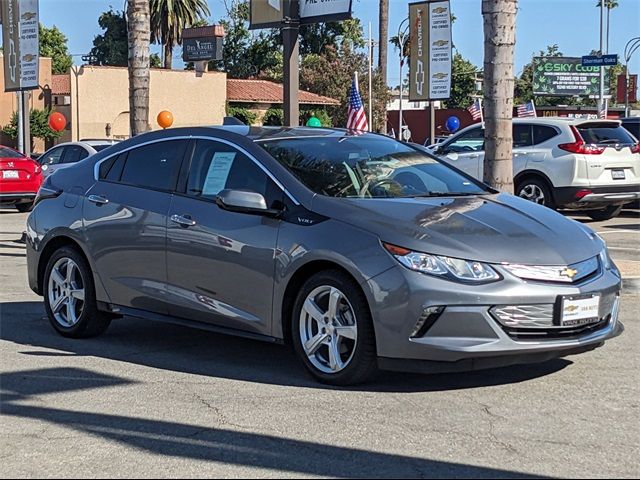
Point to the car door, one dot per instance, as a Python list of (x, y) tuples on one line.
[(125, 222), (220, 264), (465, 152), (51, 159)]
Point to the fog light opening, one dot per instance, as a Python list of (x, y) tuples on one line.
[(426, 320)]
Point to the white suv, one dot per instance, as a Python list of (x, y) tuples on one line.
[(578, 164)]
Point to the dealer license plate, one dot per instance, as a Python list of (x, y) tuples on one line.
[(617, 174), (579, 311), (10, 174)]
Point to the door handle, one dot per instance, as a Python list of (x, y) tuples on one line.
[(183, 220), (98, 200)]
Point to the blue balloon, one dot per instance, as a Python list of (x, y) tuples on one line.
[(453, 124)]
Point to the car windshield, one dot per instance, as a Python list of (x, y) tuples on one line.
[(8, 153), (368, 166)]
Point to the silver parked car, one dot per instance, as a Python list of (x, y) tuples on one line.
[(591, 165), (361, 251), (65, 154)]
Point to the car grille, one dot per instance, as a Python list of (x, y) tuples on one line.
[(539, 321), (573, 273)]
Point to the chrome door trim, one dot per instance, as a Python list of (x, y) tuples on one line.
[(96, 167)]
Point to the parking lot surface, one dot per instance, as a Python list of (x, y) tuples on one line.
[(156, 400)]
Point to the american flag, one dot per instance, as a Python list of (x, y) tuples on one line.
[(527, 110), (476, 110), (357, 116)]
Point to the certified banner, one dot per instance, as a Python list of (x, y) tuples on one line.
[(20, 44), (430, 57)]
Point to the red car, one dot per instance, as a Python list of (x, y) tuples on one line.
[(20, 179)]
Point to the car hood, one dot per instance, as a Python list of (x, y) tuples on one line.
[(497, 228)]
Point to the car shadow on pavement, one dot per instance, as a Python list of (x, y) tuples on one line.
[(181, 349), (19, 399)]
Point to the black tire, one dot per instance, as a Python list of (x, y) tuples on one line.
[(363, 364), (605, 214), (91, 321), (24, 207), (531, 183)]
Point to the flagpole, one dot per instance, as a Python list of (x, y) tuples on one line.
[(535, 113), (370, 77), (481, 114)]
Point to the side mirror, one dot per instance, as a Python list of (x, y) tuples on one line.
[(453, 156), (244, 201)]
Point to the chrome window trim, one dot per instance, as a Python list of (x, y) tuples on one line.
[(96, 167), (552, 273)]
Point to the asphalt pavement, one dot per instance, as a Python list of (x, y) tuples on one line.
[(155, 400)]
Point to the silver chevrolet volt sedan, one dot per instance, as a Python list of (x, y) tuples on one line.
[(362, 252)]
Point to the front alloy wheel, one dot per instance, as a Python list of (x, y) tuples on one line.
[(333, 330), (328, 329)]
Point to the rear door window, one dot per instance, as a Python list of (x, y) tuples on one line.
[(522, 135), (604, 134), (154, 166), (542, 133), (74, 153)]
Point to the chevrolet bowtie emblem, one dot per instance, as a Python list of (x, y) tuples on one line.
[(569, 272), (570, 308)]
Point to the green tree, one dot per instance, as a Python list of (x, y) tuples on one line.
[(39, 122), (111, 48), (463, 84), (53, 44), (169, 18)]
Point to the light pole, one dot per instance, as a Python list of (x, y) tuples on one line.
[(629, 49), (403, 31)]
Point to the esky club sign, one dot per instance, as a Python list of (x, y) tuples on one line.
[(566, 77)]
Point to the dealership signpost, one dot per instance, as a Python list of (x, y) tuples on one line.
[(430, 59), (20, 41), (288, 15)]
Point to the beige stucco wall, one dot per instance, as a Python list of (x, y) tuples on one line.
[(9, 101), (100, 96)]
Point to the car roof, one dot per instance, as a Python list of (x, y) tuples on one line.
[(260, 134), (630, 120)]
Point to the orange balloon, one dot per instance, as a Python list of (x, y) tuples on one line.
[(57, 122), (165, 119)]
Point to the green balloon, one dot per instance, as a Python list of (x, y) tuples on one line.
[(314, 122)]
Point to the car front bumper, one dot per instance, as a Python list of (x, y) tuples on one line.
[(467, 334)]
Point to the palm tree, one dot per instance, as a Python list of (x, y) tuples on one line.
[(169, 17), (608, 5), (499, 41), (139, 34)]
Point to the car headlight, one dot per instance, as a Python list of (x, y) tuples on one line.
[(605, 258), (468, 271)]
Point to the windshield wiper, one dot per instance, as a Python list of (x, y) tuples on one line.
[(446, 194)]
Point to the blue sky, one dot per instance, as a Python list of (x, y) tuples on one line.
[(572, 24)]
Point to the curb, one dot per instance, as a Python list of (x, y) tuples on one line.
[(631, 285)]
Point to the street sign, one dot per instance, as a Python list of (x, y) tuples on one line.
[(202, 43), (316, 11), (271, 13), (566, 77), (430, 56), (599, 60), (21, 44), (266, 13)]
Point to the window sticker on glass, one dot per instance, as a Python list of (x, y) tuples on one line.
[(218, 173)]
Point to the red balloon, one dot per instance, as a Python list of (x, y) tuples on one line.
[(57, 122)]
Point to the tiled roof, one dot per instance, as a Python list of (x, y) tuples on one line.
[(263, 91), (61, 85)]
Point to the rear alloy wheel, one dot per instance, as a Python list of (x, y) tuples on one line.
[(536, 191), (332, 330), (69, 296), (605, 214)]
